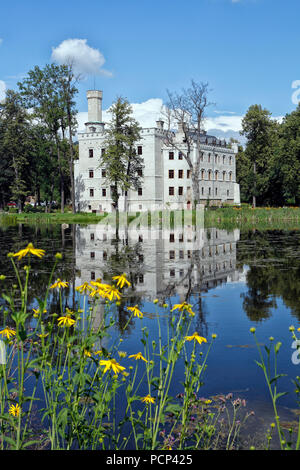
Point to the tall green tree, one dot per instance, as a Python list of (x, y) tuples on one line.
[(259, 129), (16, 146), (49, 92), (120, 160)]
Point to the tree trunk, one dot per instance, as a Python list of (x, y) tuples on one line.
[(254, 186)]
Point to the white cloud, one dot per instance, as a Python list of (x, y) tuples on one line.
[(85, 59), (2, 90), (224, 123)]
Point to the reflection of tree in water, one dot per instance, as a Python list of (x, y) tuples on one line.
[(52, 239), (273, 258)]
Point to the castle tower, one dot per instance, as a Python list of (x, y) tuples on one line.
[(94, 123)]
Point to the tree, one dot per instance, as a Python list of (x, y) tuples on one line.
[(50, 93), (16, 145), (187, 109), (259, 129), (120, 160)]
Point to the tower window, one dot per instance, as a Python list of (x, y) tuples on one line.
[(140, 150), (140, 191), (171, 155), (91, 173), (171, 173), (91, 192), (180, 190), (91, 153), (171, 190), (180, 173)]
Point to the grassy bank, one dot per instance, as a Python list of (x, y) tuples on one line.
[(247, 217), (224, 218)]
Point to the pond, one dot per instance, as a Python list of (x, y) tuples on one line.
[(234, 280)]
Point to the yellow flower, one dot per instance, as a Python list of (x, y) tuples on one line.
[(111, 292), (148, 399), (122, 280), (183, 307), (196, 337), (66, 320), (111, 364), (85, 288), (138, 356), (87, 353), (122, 354), (8, 332), (31, 250), (136, 312), (14, 410), (43, 335), (36, 312), (58, 283)]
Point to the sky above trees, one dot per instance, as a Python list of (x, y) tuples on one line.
[(247, 50)]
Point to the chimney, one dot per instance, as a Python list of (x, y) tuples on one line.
[(94, 98)]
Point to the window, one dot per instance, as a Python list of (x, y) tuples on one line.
[(227, 192), (180, 190), (140, 172), (230, 176), (216, 191), (93, 275), (92, 254), (103, 173), (141, 278), (224, 159), (208, 158), (140, 150), (230, 160), (188, 173), (209, 191), (90, 208), (180, 156), (181, 237), (140, 238), (172, 272), (181, 254), (216, 158), (91, 192), (104, 192), (102, 152), (202, 191), (209, 175), (180, 173), (224, 175), (104, 255), (171, 155), (202, 174), (172, 238), (171, 190), (92, 236), (91, 173), (216, 175), (91, 153), (172, 254), (140, 191), (171, 173)]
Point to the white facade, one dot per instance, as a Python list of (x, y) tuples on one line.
[(166, 180)]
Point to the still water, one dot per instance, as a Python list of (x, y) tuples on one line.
[(235, 280)]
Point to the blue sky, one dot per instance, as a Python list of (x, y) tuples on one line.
[(247, 50)]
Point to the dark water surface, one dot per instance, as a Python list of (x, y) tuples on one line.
[(234, 280)]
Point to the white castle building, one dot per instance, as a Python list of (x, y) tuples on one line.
[(166, 175)]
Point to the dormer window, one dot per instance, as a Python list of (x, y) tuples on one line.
[(92, 129)]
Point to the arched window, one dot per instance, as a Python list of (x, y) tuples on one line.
[(230, 176), (209, 174), (202, 174), (224, 175), (216, 175)]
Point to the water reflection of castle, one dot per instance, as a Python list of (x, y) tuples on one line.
[(160, 263)]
